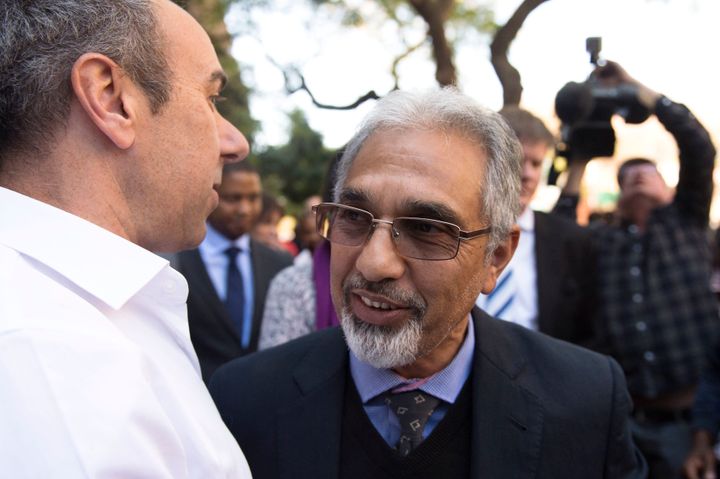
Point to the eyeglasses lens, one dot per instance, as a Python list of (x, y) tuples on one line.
[(414, 238)]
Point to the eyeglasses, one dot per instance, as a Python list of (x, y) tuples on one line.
[(417, 238)]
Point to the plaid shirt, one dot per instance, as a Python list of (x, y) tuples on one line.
[(658, 315)]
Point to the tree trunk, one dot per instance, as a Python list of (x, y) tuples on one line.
[(508, 74), (435, 13)]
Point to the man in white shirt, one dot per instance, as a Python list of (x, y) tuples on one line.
[(110, 145), (547, 285)]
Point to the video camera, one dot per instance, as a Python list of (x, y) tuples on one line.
[(586, 108)]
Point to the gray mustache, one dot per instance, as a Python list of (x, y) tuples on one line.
[(387, 289)]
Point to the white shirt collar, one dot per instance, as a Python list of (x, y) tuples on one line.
[(526, 220), (108, 267)]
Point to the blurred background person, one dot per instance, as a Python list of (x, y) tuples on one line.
[(299, 301), (306, 235), (229, 273), (266, 227), (658, 316), (548, 285), (702, 461)]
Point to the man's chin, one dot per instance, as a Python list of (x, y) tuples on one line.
[(381, 346)]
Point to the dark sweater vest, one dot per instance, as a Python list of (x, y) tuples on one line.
[(445, 453)]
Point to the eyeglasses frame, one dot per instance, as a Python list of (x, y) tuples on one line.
[(462, 235)]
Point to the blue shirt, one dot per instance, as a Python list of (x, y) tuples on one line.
[(444, 385), (212, 252)]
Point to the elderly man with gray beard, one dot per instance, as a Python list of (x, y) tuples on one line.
[(418, 382)]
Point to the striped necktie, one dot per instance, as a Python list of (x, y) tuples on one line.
[(499, 302)]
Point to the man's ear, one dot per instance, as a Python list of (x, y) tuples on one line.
[(500, 258), (105, 93)]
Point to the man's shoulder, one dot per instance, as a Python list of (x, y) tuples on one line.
[(278, 362), (521, 352), (554, 224), (16, 277), (42, 313), (34, 296), (294, 276)]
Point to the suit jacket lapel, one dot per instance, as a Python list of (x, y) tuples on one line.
[(202, 289), (507, 419), (309, 429)]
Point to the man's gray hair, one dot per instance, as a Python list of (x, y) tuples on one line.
[(40, 40), (449, 111)]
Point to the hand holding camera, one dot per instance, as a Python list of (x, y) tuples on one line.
[(586, 108), (612, 75)]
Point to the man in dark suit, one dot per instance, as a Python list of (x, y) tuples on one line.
[(427, 194), (548, 284), (224, 326)]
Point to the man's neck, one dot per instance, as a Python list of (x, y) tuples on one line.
[(49, 180), (637, 211)]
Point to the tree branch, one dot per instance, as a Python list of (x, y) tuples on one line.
[(400, 58), (302, 86), (508, 74)]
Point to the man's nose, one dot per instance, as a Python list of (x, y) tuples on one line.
[(242, 207), (379, 258), (233, 144)]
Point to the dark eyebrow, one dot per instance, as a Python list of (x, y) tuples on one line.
[(414, 208), (432, 210), (219, 76), (351, 195)]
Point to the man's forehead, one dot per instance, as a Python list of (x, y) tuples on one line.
[(407, 170), (186, 42), (642, 167), (241, 176)]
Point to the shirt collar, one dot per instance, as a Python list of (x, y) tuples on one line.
[(215, 243), (445, 384), (526, 220), (105, 265)]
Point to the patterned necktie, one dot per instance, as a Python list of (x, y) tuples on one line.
[(413, 409), (235, 295), (499, 302)]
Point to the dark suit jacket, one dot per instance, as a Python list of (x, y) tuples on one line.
[(565, 262), (542, 408), (213, 335)]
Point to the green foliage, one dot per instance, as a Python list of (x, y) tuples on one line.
[(480, 18), (297, 169)]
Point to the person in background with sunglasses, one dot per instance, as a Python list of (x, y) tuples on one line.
[(425, 202)]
